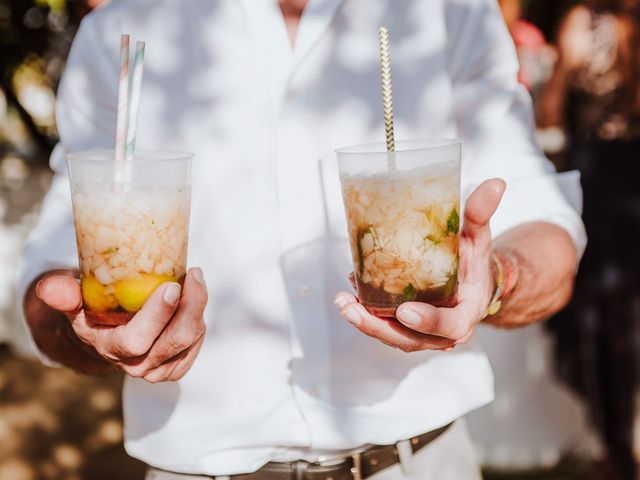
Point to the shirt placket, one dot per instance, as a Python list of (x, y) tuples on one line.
[(303, 265)]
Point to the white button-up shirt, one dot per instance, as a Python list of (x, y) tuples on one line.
[(281, 375)]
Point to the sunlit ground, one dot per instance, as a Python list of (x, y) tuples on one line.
[(56, 425)]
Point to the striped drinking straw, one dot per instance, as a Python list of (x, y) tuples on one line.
[(387, 94), (123, 100), (134, 107)]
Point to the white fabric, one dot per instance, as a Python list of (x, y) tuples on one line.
[(449, 457), (281, 375), (529, 398)]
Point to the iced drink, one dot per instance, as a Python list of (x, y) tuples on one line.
[(131, 236), (403, 214)]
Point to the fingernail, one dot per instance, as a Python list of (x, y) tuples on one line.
[(39, 288), (409, 317), (352, 315), (198, 276), (340, 301), (171, 293)]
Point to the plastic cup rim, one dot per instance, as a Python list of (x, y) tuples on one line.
[(402, 146), (108, 155)]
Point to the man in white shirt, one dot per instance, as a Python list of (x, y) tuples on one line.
[(281, 385)]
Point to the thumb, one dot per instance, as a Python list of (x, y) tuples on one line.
[(60, 292), (481, 206)]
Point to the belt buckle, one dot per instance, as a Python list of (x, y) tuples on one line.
[(338, 458), (356, 470), (301, 469)]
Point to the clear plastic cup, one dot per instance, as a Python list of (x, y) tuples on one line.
[(403, 214), (132, 236)]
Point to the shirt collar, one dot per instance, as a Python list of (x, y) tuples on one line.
[(267, 26), (316, 19)]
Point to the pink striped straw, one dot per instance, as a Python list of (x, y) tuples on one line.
[(123, 101)]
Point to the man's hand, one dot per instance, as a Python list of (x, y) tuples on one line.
[(158, 344), (420, 326)]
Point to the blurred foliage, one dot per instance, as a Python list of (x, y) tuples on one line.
[(35, 36), (55, 5)]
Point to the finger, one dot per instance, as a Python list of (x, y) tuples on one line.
[(136, 337), (162, 372), (466, 338), (185, 328), (481, 206), (185, 364), (131, 368), (452, 323), (177, 367), (343, 298), (62, 293), (391, 332), (83, 330)]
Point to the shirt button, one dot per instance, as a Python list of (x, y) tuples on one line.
[(305, 291)]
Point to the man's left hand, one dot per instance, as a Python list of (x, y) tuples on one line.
[(420, 326)]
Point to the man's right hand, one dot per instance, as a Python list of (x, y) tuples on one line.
[(159, 344)]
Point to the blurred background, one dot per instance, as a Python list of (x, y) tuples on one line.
[(566, 390)]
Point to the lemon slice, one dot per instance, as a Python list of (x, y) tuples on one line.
[(94, 297), (131, 293)]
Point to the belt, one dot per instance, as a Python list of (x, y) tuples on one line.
[(354, 465)]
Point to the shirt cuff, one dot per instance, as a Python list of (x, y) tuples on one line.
[(553, 198)]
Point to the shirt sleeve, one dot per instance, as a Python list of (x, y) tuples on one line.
[(85, 115), (494, 116)]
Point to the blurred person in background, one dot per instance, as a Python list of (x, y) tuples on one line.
[(594, 94), (536, 56), (531, 397)]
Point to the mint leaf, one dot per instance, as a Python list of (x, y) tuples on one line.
[(360, 255), (453, 222), (409, 294), (433, 239), (452, 283)]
